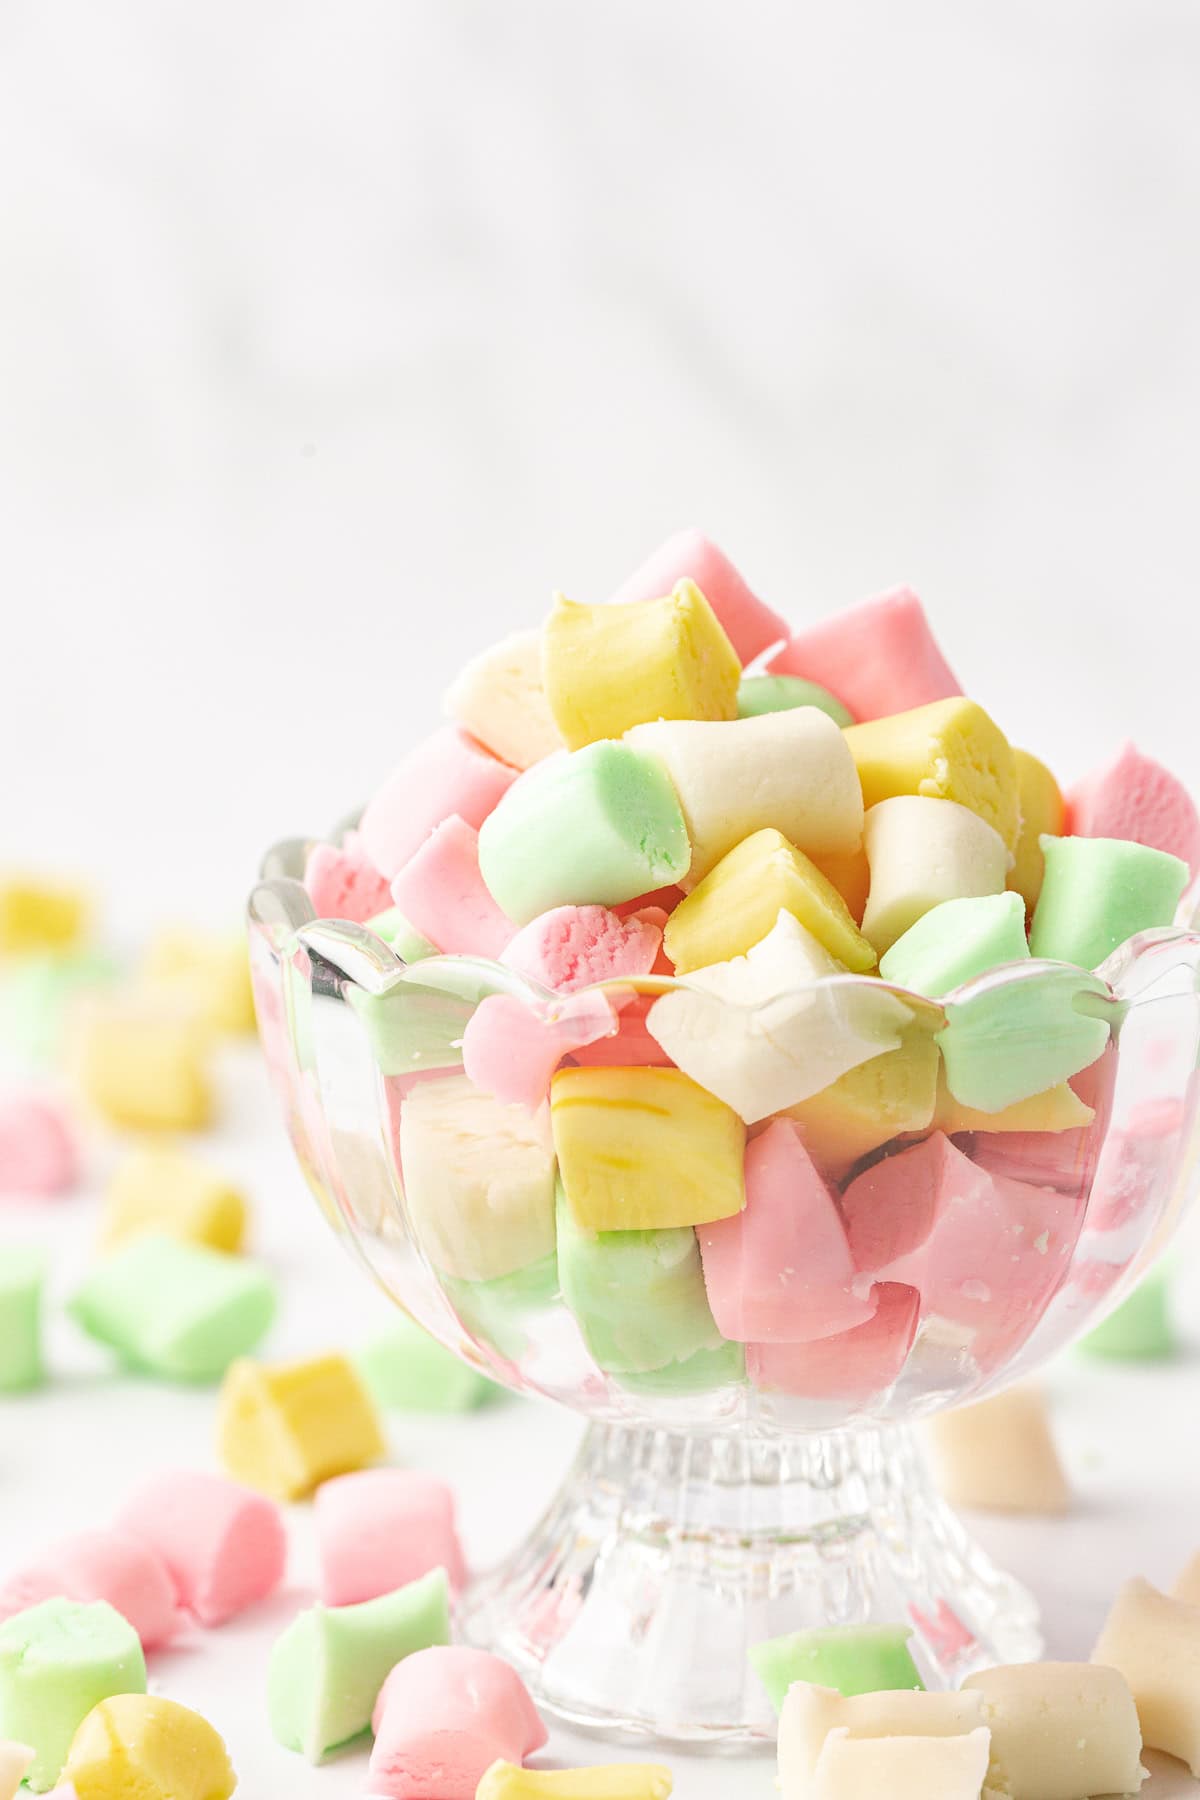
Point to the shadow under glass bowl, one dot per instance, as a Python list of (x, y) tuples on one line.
[(729, 1491)]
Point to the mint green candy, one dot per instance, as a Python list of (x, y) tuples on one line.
[(500, 1312), (700, 1373), (404, 939), (595, 826), (411, 1027), (175, 1309), (1032, 1030), (1140, 1329), (409, 1371), (639, 1296), (853, 1659), (37, 994), (325, 1672), (780, 693), (956, 941), (57, 1661), (22, 1277), (1099, 892)]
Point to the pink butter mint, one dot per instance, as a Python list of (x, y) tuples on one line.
[(378, 1529), (443, 1717), (343, 883), (749, 624), (447, 773), (511, 1049), (1134, 797), (223, 1546), (781, 1270), (442, 894), (576, 946), (100, 1565), (878, 657), (39, 1152), (854, 1365)]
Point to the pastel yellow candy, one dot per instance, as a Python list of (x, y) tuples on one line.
[(871, 1104), (644, 1149), (208, 970), (500, 700), (167, 1191), (1154, 1641), (738, 902), (950, 750), (606, 668), (284, 1428), (140, 1747), (999, 1455), (611, 1781), (1040, 802), (40, 915), (142, 1061), (1058, 1108), (921, 852)]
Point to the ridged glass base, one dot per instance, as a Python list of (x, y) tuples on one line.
[(664, 1557)]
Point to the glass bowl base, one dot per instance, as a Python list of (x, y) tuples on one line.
[(664, 1557)]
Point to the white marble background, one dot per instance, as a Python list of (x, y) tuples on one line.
[(332, 336)]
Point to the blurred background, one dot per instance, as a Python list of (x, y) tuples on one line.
[(332, 338)]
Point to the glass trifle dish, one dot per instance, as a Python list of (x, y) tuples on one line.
[(726, 1034)]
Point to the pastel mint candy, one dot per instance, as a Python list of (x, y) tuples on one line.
[(404, 939), (37, 996), (57, 1661), (409, 1371), (852, 1659), (326, 1670), (699, 1373), (174, 1309), (412, 1026), (760, 694), (638, 1296), (1099, 892), (1029, 1032), (500, 1312), (22, 1276), (1140, 1330), (594, 827), (956, 941)]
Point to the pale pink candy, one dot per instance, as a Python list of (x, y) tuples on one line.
[(632, 1047), (984, 1251), (443, 1716), (446, 773), (511, 1050), (344, 883), (657, 916), (574, 946), (1065, 1160), (852, 1366), (223, 1547), (39, 1154), (1134, 797), (748, 623), (381, 1528), (100, 1565), (878, 657), (781, 1269), (442, 894), (1137, 1164)]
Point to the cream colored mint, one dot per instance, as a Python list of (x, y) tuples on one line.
[(810, 1712), (1099, 892), (407, 1370), (403, 938), (1060, 1729), (760, 694), (955, 942), (767, 1030), (22, 1278), (638, 1296), (325, 1672), (596, 827), (174, 1309), (853, 1659), (57, 1661)]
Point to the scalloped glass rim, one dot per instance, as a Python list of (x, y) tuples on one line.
[(280, 902)]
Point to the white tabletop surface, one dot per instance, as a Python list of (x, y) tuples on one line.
[(70, 1452)]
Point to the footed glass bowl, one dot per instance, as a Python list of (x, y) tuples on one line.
[(749, 1467)]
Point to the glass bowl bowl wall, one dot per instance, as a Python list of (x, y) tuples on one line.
[(735, 1493)]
